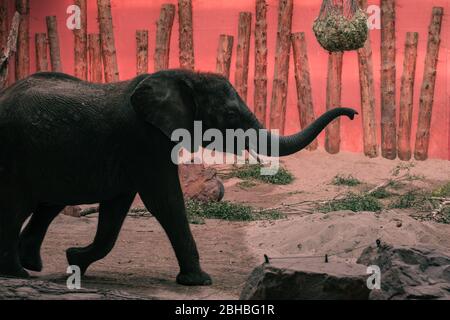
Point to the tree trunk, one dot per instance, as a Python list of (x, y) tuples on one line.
[(260, 79), (407, 96), (80, 45), (242, 54), (107, 41), (367, 92), (186, 35), (281, 72), (388, 80), (95, 60), (4, 30), (163, 35), (224, 52), (302, 79), (55, 51), (23, 46), (41, 52), (334, 90), (9, 50), (428, 85), (141, 52)]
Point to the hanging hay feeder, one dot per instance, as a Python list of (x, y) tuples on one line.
[(341, 26)]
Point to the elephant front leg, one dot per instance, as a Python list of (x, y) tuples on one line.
[(111, 217), (164, 199)]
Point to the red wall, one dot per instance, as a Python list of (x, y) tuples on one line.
[(213, 17)]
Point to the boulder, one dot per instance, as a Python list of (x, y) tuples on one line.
[(303, 279), (409, 272), (200, 183)]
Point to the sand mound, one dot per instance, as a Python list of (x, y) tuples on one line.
[(343, 232)]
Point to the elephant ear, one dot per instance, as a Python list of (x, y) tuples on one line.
[(164, 102)]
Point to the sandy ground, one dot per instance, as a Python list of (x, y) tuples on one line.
[(143, 262)]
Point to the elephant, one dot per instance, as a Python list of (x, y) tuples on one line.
[(66, 142)]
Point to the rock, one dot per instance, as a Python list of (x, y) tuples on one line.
[(307, 280), (28, 289), (409, 272), (74, 211), (200, 183)]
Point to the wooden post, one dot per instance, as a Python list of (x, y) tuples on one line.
[(242, 54), (3, 24), (367, 92), (302, 79), (388, 74), (163, 34), (41, 52), (407, 96), (80, 45), (260, 78), (334, 90), (428, 85), (224, 52), (141, 52), (186, 35), (95, 60), (108, 44), (55, 51), (23, 46), (281, 72), (9, 50)]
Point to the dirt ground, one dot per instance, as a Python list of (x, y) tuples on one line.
[(143, 262)]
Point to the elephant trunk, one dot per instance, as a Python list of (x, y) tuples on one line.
[(296, 142)]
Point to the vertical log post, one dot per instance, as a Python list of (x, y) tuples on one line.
[(281, 72), (80, 45), (108, 44), (428, 85), (95, 58), (53, 40), (388, 80), (303, 81), (334, 90), (224, 52), (41, 52), (260, 78), (186, 35), (9, 50), (242, 54), (163, 35), (367, 92), (141, 52), (3, 25), (23, 46), (407, 96)]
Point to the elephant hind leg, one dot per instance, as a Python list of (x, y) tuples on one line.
[(33, 235), (112, 214)]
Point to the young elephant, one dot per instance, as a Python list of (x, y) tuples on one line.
[(65, 142)]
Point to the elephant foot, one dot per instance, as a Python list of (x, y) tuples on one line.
[(13, 271), (78, 257), (199, 278), (30, 258)]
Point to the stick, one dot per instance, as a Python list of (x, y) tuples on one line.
[(141, 52), (334, 90), (163, 34), (186, 35), (367, 91), (388, 80), (80, 45), (10, 49), (224, 52), (95, 59), (281, 72), (41, 52), (428, 85), (55, 51), (302, 79), (107, 41), (242, 54), (23, 46), (260, 78), (407, 96)]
